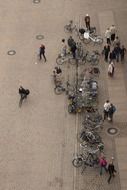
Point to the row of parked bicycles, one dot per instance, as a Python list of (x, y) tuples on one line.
[(85, 100), (82, 94), (91, 143)]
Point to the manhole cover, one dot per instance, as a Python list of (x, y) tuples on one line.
[(39, 37), (11, 52), (36, 1), (112, 131)]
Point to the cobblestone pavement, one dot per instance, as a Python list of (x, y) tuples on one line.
[(37, 142)]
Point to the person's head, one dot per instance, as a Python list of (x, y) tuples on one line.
[(70, 37), (107, 28), (87, 14), (63, 40), (107, 101), (122, 46), (117, 37), (20, 87), (42, 45)]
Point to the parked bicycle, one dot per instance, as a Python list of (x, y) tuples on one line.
[(61, 59), (71, 27), (96, 39), (90, 159)]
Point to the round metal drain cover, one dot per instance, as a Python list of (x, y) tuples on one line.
[(11, 52), (112, 131), (39, 37), (36, 1)]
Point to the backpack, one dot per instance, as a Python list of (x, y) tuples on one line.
[(114, 108)]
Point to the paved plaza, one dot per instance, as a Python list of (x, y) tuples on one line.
[(38, 140)]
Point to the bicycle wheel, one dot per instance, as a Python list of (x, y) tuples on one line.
[(58, 90), (82, 136), (67, 29), (86, 41), (72, 61), (60, 60), (77, 162), (95, 62), (93, 159), (71, 108), (99, 40)]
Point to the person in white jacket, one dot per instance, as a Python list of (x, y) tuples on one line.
[(108, 36), (111, 68)]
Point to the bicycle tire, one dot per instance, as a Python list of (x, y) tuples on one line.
[(99, 40), (81, 138), (58, 90), (72, 61), (86, 41), (71, 109), (59, 61), (77, 163), (94, 62), (66, 29)]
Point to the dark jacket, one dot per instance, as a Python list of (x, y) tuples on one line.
[(111, 169), (42, 49)]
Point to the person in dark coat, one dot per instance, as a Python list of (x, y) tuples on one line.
[(112, 56), (42, 52), (111, 111), (23, 92), (106, 51), (122, 53), (72, 45), (111, 170), (117, 51), (87, 21)]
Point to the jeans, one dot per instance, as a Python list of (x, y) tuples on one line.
[(110, 176), (102, 168), (40, 55)]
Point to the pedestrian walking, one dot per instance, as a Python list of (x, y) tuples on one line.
[(42, 52), (106, 109), (111, 171), (103, 164), (106, 51), (87, 21), (116, 42), (23, 94), (63, 48), (112, 56), (117, 51), (111, 112), (122, 53), (113, 32), (108, 36), (111, 69)]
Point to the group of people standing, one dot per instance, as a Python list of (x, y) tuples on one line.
[(109, 168), (113, 51), (109, 110)]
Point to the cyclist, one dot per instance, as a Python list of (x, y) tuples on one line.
[(23, 92)]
